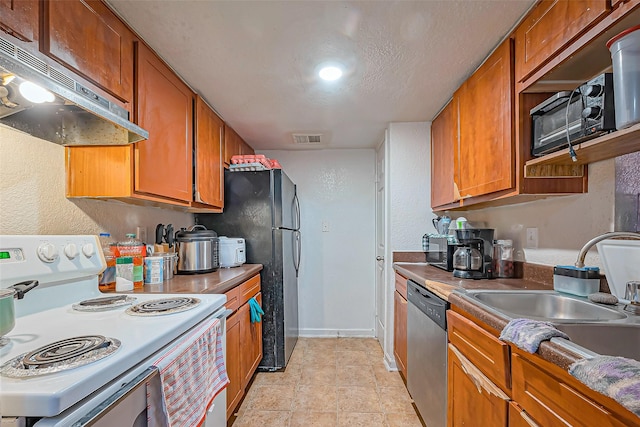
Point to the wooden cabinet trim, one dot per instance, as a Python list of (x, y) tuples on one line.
[(400, 332), (401, 285), (233, 298), (485, 351), (20, 19), (249, 289)]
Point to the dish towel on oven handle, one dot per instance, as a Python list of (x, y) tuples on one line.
[(192, 374)]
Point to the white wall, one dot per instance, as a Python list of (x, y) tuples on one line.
[(409, 170), (32, 196), (336, 284), (565, 223)]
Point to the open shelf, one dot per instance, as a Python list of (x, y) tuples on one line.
[(608, 146)]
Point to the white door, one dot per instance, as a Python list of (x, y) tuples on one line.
[(380, 245)]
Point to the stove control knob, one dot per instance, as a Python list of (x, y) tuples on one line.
[(88, 250), (71, 250), (47, 252)]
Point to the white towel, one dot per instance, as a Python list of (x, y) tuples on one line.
[(192, 373)]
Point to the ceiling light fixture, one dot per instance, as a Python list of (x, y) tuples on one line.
[(330, 73), (34, 93)]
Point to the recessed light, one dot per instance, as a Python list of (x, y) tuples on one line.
[(330, 73), (34, 93)]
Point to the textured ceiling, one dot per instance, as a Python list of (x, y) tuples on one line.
[(256, 62)]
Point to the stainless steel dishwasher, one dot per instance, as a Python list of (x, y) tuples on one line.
[(427, 353)]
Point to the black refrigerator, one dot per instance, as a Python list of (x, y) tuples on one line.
[(263, 208)]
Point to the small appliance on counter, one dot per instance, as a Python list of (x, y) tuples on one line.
[(232, 251), (439, 249), (473, 257), (198, 250)]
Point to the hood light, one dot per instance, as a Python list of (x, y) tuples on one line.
[(34, 93), (330, 73)]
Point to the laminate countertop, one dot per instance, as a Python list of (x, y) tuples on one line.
[(217, 282), (442, 282)]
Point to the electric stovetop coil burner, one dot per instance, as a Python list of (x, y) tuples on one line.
[(159, 307), (60, 356), (104, 303)]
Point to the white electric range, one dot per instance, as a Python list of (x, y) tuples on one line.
[(67, 269)]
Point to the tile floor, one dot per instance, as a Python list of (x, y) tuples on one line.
[(329, 382)]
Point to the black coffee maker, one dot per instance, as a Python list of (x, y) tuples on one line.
[(473, 257)]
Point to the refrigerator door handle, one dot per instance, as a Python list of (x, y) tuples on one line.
[(296, 259), (297, 210)]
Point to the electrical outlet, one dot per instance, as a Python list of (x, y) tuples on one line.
[(532, 238), (141, 234), (325, 226)]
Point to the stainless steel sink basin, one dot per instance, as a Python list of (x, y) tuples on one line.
[(545, 305), (605, 338)]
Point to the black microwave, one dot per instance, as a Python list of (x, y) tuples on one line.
[(575, 116)]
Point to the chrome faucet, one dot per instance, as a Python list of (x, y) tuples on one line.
[(583, 252)]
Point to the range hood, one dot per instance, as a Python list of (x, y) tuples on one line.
[(75, 116)]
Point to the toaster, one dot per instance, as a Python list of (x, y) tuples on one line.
[(232, 251)]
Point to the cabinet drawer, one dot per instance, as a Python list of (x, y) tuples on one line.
[(248, 289), (550, 401), (233, 298), (519, 418), (484, 350), (401, 285)]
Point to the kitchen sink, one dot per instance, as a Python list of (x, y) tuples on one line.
[(604, 338), (544, 305)]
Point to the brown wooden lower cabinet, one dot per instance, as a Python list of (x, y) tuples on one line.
[(519, 418), (400, 324), (244, 340)]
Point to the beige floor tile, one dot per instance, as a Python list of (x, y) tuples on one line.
[(263, 419), (297, 356), (318, 375), (386, 378), (352, 358), (313, 419), (351, 344), (356, 375), (272, 397), (403, 420), (376, 359), (372, 345), (323, 398), (290, 376), (396, 400), (321, 344), (319, 357), (355, 419), (358, 399)]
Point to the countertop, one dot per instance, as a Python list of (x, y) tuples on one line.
[(218, 282), (444, 284)]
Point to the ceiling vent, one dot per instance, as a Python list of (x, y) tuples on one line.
[(307, 139)]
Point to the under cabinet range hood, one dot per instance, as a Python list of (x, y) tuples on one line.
[(69, 113)]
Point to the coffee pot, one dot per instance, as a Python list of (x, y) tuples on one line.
[(473, 257)]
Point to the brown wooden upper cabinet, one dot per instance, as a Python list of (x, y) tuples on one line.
[(234, 145), (19, 18), (209, 176), (484, 161), (163, 163), (88, 38), (551, 26), (444, 141)]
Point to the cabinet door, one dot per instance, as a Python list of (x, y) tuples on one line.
[(85, 36), (235, 389), (444, 141), (519, 418), (163, 164), (485, 161), (250, 342), (400, 332), (208, 146), (552, 25), (19, 18), (231, 147), (468, 403)]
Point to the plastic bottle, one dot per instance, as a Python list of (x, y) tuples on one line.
[(107, 281), (136, 250)]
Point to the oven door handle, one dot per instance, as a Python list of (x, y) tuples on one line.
[(99, 411), (226, 313)]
